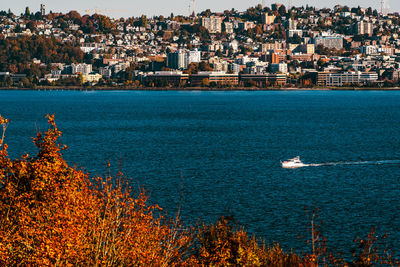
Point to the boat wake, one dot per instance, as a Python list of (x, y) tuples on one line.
[(376, 162)]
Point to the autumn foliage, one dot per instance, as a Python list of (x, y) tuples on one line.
[(221, 245), (52, 214)]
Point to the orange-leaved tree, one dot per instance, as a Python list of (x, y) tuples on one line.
[(54, 214), (221, 244)]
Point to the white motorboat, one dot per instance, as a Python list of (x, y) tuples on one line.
[(293, 163)]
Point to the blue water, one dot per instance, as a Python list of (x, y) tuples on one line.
[(229, 146)]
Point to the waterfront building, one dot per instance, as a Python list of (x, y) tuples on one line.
[(91, 78), (177, 60), (219, 78), (322, 78), (168, 78), (263, 80), (350, 78), (81, 68)]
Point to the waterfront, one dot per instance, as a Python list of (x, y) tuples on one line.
[(228, 145)]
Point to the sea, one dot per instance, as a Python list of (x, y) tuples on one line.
[(219, 153)]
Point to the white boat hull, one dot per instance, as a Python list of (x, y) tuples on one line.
[(291, 165)]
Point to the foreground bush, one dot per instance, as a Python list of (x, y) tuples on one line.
[(52, 214), (222, 245)]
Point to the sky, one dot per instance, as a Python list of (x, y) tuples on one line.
[(129, 8)]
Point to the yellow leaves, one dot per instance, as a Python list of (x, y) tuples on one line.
[(4, 124)]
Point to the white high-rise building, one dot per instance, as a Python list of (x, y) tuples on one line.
[(193, 56), (81, 68), (177, 60)]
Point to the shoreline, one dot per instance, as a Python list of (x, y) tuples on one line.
[(82, 88)]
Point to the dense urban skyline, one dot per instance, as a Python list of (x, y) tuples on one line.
[(124, 8)]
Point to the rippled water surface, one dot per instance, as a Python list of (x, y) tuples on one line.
[(229, 146)]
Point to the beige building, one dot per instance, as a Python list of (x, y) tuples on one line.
[(91, 78), (268, 19), (212, 24), (307, 48), (363, 27), (271, 46)]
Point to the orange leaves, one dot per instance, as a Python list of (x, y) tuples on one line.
[(3, 121), (221, 244), (4, 124), (51, 214)]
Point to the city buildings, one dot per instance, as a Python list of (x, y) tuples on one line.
[(255, 47)]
